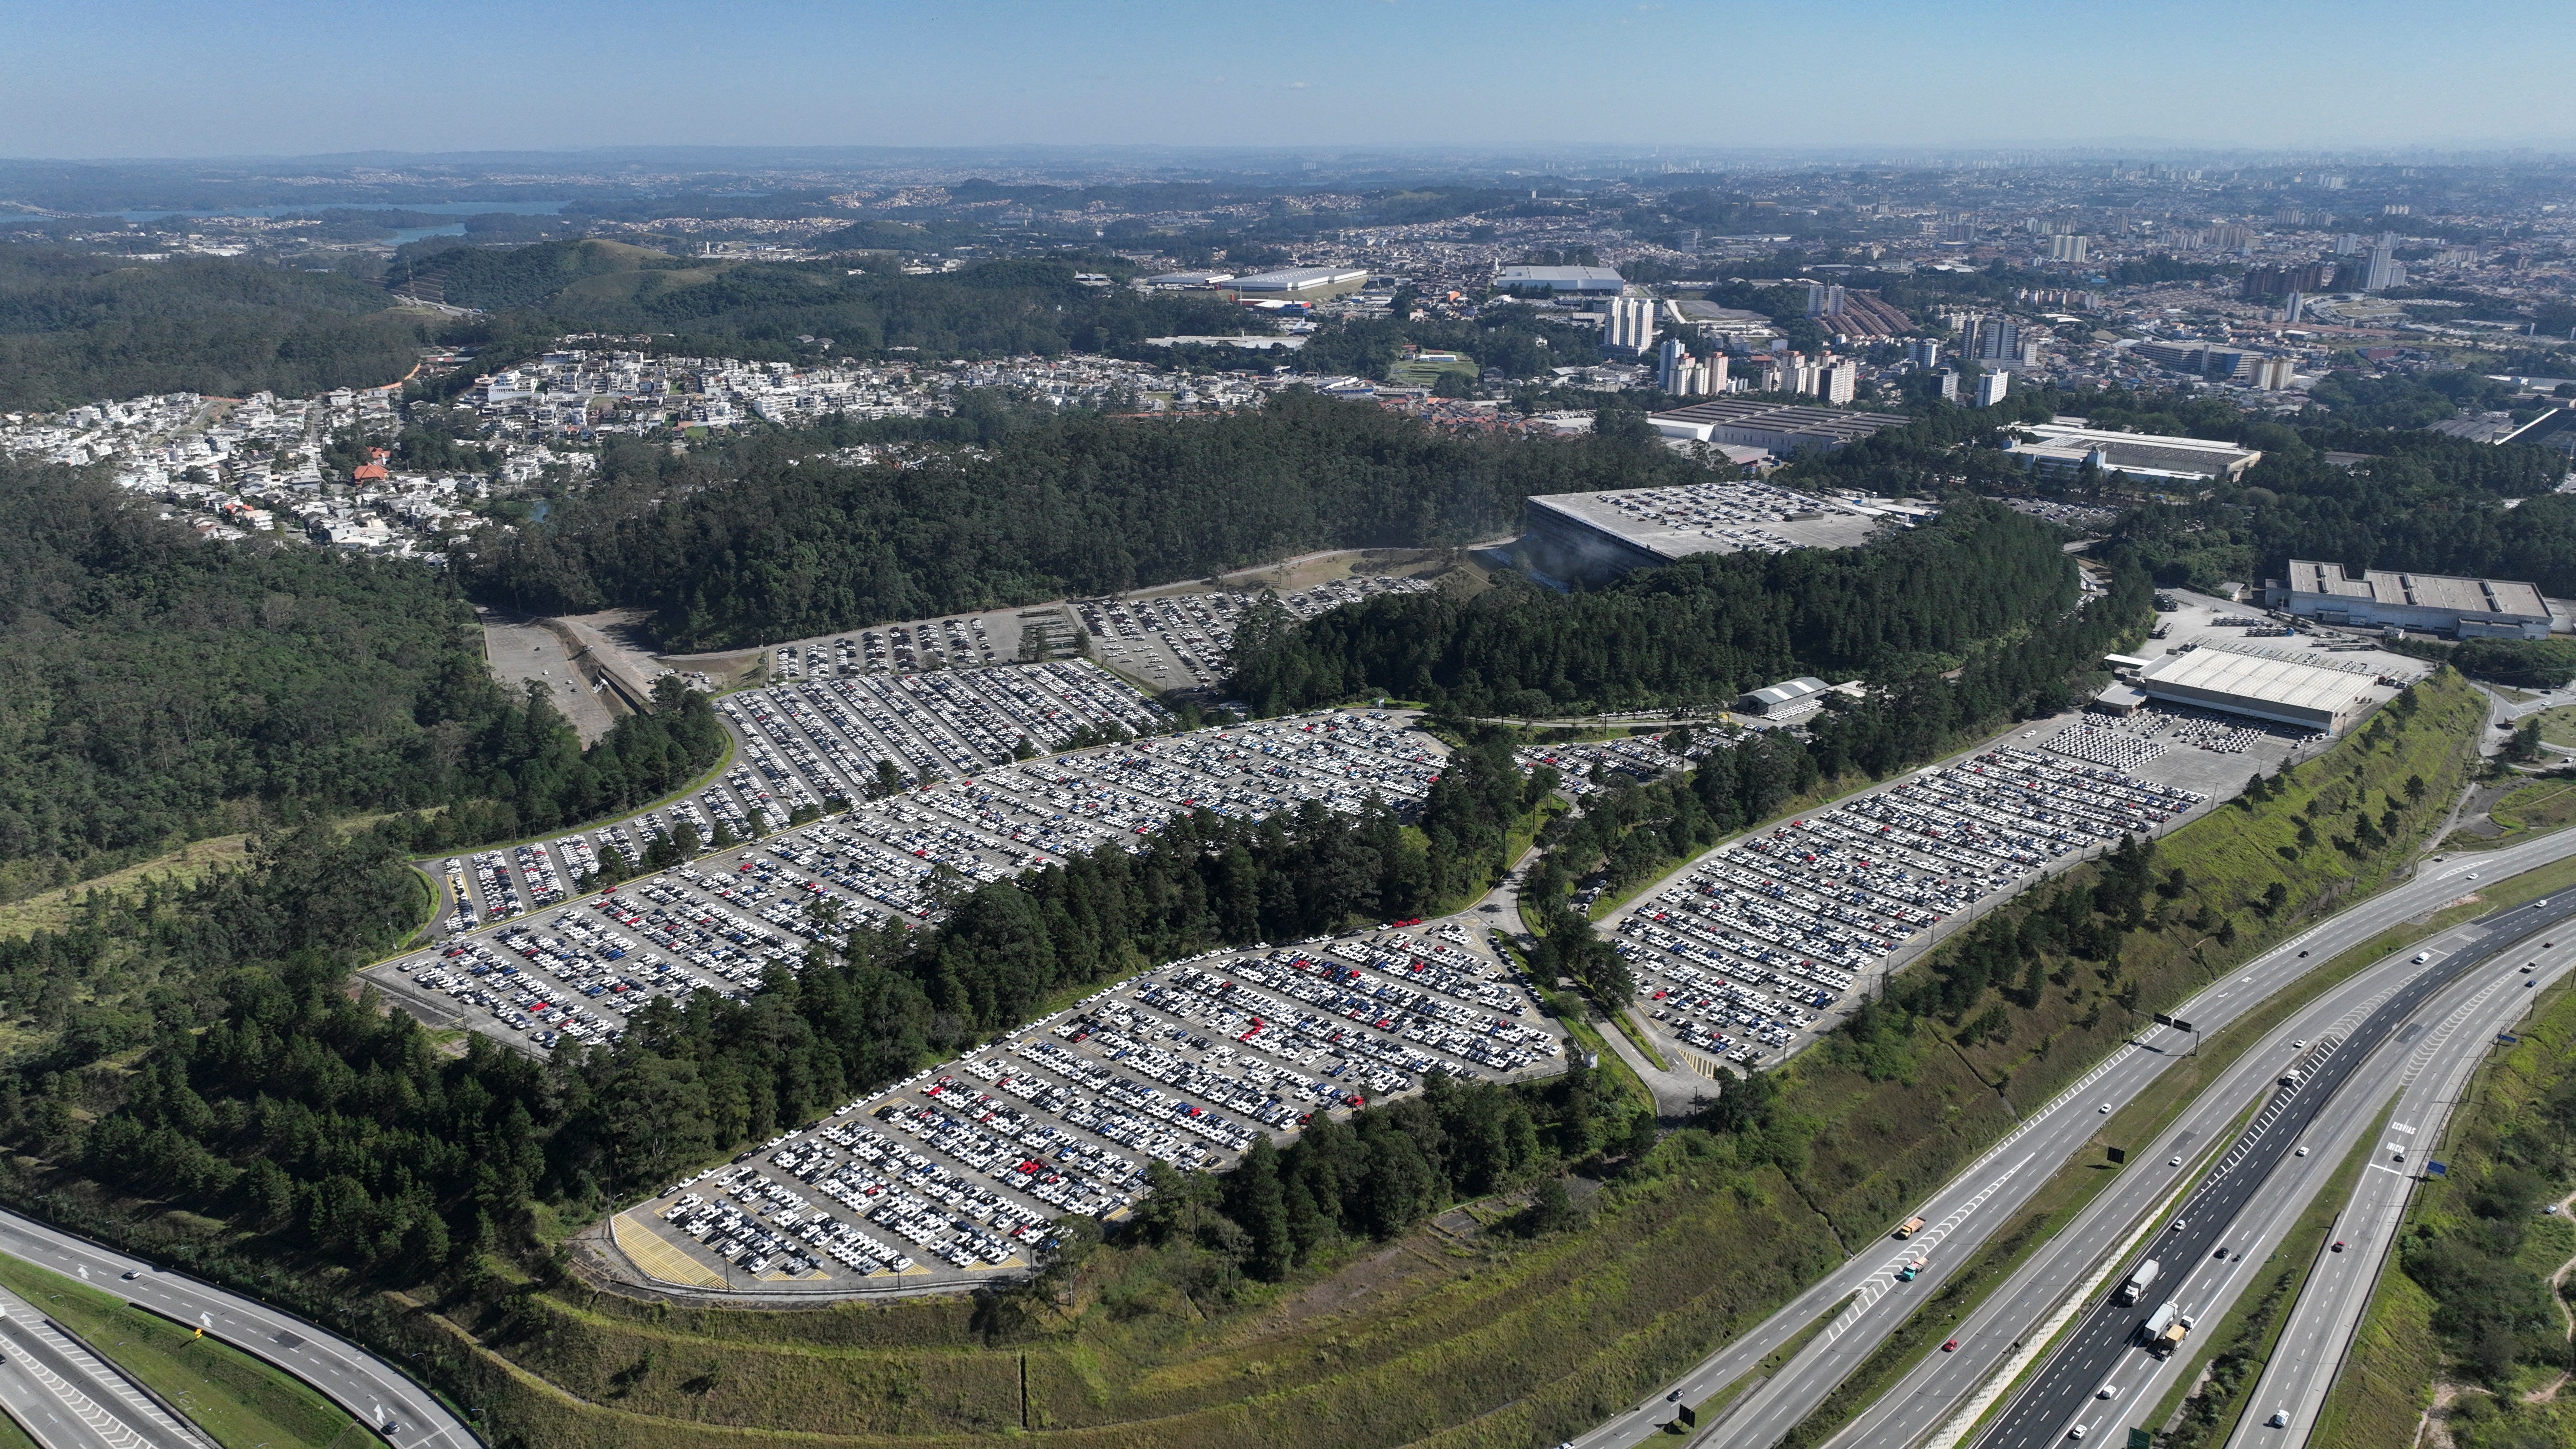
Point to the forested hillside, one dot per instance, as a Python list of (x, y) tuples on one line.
[(1695, 632), (155, 686), (759, 309), (2425, 502), (760, 540), (77, 326)]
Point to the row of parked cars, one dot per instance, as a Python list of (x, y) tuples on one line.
[(1760, 936), (967, 1164), (724, 920)]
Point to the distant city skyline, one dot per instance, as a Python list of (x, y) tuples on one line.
[(130, 79)]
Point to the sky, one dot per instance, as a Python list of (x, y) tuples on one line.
[(137, 78)]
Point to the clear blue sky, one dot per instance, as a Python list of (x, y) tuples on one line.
[(92, 78)]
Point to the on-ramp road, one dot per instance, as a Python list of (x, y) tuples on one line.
[(376, 1392)]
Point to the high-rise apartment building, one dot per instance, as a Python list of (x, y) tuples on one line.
[(1630, 327), (2385, 270)]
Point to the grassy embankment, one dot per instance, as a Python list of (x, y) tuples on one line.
[(2387, 1384), (1444, 1339), (229, 1394)]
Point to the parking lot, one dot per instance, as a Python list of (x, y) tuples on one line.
[(1761, 945), (1177, 639), (958, 1172), (532, 955)]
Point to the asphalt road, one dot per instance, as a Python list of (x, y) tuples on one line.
[(2105, 1348), (2303, 1364), (65, 1398), (1967, 1210), (376, 1392)]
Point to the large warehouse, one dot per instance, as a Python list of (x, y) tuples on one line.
[(2312, 696), (2435, 603), (1781, 428), (1593, 537)]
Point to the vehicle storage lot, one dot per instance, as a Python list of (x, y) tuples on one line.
[(1178, 639), (958, 1172), (1755, 948), (530, 957)]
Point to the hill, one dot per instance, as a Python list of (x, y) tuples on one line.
[(77, 326)]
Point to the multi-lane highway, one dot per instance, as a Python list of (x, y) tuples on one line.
[(2204, 1248), (377, 1393), (2304, 1361), (65, 1398), (1984, 1196)]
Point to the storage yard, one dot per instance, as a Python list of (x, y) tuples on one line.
[(1740, 955), (960, 1171), (523, 965), (995, 768)]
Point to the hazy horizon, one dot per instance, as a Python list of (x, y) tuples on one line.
[(277, 79)]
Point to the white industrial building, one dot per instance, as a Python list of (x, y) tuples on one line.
[(1565, 281), (2312, 696), (1301, 282), (2068, 446)]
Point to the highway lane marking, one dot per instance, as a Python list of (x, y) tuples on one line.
[(1884, 1281), (112, 1431)]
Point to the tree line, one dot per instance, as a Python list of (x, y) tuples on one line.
[(1693, 633), (761, 539)]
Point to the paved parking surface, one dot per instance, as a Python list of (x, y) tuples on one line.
[(958, 1172), (533, 958)]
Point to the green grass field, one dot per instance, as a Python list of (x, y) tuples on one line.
[(2542, 805), (238, 1399)]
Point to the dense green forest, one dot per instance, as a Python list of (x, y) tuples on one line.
[(2421, 502), (759, 309), (1694, 633), (759, 539), (77, 326), (156, 686)]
